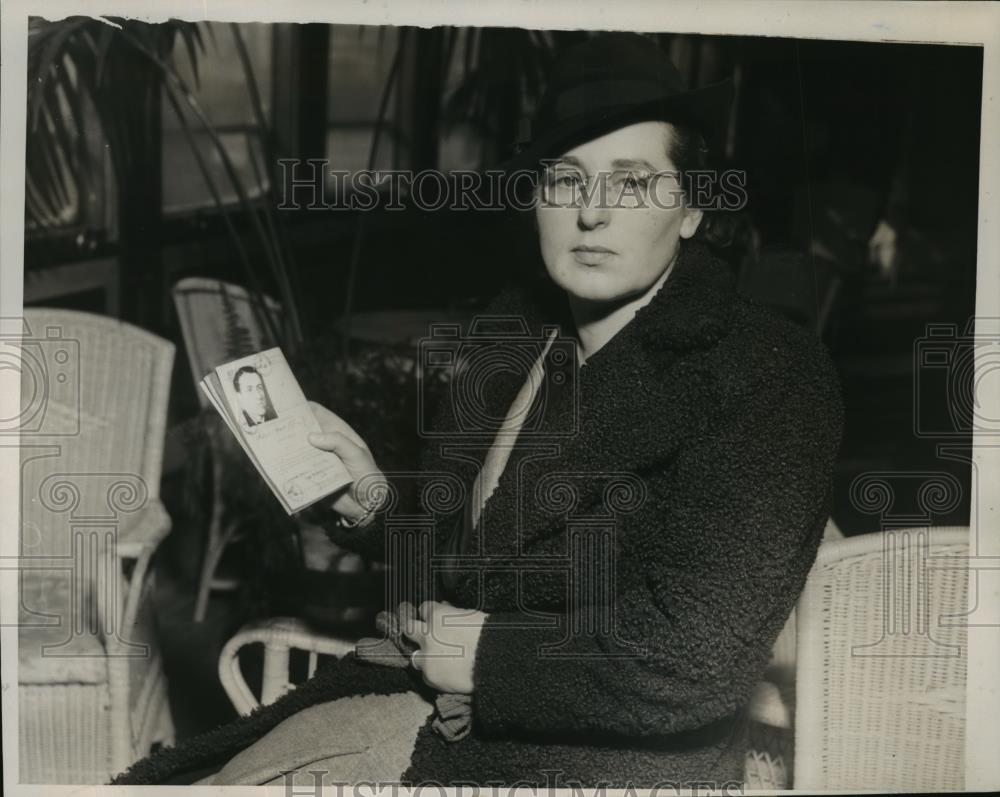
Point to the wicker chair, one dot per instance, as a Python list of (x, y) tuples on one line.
[(880, 675), (91, 691), (220, 322)]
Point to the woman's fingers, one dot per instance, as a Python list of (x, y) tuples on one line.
[(329, 421), (356, 459), (426, 611), (345, 505), (410, 623), (368, 483)]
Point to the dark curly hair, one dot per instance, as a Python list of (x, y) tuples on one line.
[(689, 152)]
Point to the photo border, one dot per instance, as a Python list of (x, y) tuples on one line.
[(931, 22)]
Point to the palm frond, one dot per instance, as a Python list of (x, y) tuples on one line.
[(196, 35), (282, 251), (187, 35), (81, 60), (74, 99), (210, 30), (101, 49), (502, 76), (49, 57)]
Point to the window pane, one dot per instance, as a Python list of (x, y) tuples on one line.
[(224, 97), (360, 60), (223, 93), (349, 148), (184, 188), (461, 145)]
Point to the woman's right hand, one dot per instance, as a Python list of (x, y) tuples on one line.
[(369, 483)]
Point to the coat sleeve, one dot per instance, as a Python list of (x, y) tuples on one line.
[(724, 542)]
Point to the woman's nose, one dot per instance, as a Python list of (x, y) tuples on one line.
[(593, 209)]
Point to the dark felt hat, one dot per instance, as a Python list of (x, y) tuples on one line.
[(612, 80)]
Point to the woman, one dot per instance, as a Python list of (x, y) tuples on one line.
[(700, 429)]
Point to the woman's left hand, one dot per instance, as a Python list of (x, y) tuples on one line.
[(447, 637)]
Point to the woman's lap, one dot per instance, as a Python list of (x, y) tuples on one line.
[(353, 739)]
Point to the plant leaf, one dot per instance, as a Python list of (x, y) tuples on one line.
[(196, 34), (190, 43), (64, 151), (49, 57), (210, 29), (102, 48), (75, 102)]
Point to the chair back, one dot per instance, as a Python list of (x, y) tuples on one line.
[(94, 394), (881, 662), (94, 397), (222, 322)]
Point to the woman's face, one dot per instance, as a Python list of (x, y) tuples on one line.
[(613, 250)]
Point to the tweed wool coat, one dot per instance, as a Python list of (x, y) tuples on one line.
[(645, 544)]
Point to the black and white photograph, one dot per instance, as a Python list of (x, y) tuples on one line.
[(658, 347), (251, 393)]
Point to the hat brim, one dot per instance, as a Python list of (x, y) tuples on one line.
[(706, 109)]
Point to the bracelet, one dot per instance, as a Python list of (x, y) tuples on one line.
[(371, 507)]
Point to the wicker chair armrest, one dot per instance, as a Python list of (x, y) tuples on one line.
[(139, 534), (279, 635)]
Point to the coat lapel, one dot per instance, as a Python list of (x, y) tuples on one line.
[(596, 426)]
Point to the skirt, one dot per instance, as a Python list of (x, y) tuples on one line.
[(368, 738)]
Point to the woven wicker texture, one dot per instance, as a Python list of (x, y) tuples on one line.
[(772, 707), (768, 761), (880, 677), (220, 322), (67, 738), (92, 697)]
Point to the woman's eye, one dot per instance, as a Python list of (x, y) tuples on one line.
[(568, 179)]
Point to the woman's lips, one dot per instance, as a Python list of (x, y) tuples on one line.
[(591, 255)]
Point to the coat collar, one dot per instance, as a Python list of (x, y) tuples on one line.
[(690, 311), (631, 405)]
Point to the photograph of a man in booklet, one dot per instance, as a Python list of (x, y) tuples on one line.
[(261, 402)]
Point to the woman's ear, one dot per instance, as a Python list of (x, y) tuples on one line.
[(689, 225)]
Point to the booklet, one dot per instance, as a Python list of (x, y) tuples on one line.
[(261, 402)]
